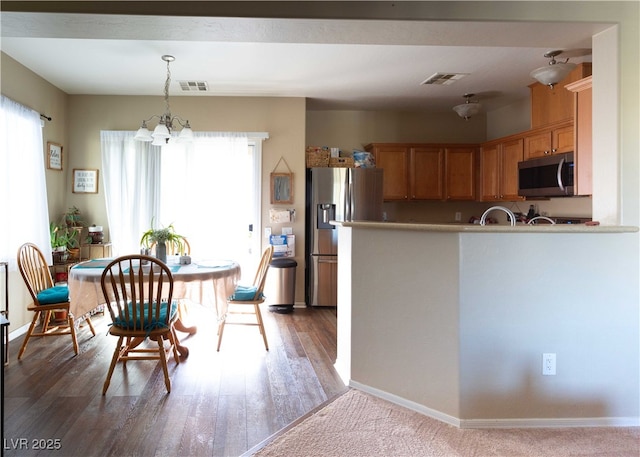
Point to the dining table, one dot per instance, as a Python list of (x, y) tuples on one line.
[(206, 282)]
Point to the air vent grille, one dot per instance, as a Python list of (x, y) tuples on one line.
[(444, 78), (194, 86)]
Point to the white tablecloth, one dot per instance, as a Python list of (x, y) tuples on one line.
[(208, 282)]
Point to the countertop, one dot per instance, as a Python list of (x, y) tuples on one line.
[(490, 228)]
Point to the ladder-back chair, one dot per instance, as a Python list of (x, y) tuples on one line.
[(249, 297), (138, 291), (47, 298)]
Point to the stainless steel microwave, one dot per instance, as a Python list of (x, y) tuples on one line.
[(548, 176)]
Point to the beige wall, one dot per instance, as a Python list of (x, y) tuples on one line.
[(78, 119), (282, 118), (25, 87)]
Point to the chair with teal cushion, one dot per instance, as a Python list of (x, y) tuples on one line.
[(138, 291), (47, 299), (247, 300)]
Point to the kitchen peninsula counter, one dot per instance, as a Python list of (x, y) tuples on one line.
[(491, 228), (452, 320)]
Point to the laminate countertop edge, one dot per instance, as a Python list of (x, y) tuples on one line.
[(492, 228)]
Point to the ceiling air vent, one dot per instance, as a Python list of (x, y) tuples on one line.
[(194, 86), (444, 78)]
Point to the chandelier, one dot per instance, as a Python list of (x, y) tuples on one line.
[(552, 74), (162, 132), (468, 108)]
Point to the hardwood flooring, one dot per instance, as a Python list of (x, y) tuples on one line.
[(221, 403)]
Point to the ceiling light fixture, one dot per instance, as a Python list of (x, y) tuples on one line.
[(552, 74), (468, 108), (162, 133)]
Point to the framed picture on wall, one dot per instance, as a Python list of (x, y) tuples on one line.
[(281, 188), (85, 181), (54, 156)]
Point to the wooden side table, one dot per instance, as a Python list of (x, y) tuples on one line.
[(95, 251)]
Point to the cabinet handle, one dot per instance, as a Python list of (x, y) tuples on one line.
[(546, 152), (554, 149)]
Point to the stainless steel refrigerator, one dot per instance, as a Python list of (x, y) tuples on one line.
[(335, 194)]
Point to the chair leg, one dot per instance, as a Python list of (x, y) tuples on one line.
[(36, 316), (93, 331), (163, 362), (114, 360), (261, 326), (46, 321), (220, 332), (72, 329)]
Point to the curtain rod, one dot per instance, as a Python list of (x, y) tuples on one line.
[(44, 116)]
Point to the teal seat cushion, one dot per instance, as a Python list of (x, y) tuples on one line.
[(53, 295), (167, 313), (244, 293)]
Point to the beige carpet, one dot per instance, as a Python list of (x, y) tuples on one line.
[(357, 424)]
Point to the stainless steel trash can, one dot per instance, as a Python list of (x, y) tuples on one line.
[(283, 277)]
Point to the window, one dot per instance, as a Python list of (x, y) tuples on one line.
[(23, 189), (209, 190)]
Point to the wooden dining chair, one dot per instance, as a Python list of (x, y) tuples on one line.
[(140, 302), (47, 298), (246, 300)]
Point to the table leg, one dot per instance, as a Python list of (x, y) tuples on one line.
[(179, 325)]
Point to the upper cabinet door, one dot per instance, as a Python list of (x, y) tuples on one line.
[(512, 153), (460, 173), (426, 173), (490, 173), (394, 160)]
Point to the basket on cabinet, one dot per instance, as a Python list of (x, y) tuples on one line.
[(317, 157), (341, 162)]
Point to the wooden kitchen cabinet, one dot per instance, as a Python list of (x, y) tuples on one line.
[(552, 140), (583, 140), (426, 171), (394, 159), (552, 105), (499, 170), (460, 171)]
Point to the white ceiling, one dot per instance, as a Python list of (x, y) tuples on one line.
[(336, 64)]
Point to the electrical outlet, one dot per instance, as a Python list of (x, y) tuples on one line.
[(267, 232), (549, 364), (458, 216)]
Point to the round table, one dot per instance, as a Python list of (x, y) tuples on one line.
[(208, 282)]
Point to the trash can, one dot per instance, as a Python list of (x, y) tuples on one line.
[(283, 274)]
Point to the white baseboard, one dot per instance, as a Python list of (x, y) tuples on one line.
[(407, 404), (19, 332), (563, 422)]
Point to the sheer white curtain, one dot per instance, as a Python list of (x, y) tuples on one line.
[(209, 190), (23, 188), (131, 173), (207, 193)]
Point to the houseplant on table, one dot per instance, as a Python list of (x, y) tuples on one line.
[(58, 238), (65, 242), (161, 238)]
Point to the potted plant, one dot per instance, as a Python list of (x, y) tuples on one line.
[(58, 237), (72, 217), (162, 237), (73, 242)]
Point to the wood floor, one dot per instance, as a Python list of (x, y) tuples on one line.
[(221, 403)]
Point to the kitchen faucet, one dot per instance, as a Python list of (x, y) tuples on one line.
[(511, 216)]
